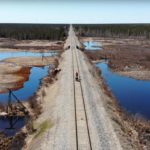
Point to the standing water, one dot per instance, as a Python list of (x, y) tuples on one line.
[(11, 125), (4, 55), (30, 87), (90, 45), (133, 95)]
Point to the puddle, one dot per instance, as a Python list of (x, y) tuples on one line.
[(91, 45), (4, 55), (133, 95)]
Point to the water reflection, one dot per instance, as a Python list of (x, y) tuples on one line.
[(4, 55), (91, 45), (11, 125)]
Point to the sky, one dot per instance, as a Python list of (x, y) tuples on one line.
[(75, 11)]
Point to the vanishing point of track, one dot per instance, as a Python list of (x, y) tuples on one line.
[(78, 86)]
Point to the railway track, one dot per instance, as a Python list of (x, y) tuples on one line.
[(76, 109), (83, 140)]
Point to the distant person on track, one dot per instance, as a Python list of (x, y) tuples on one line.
[(77, 76)]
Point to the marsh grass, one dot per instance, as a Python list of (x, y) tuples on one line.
[(44, 126)]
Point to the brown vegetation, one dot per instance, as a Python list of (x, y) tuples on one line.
[(31, 61), (13, 78), (124, 56), (35, 45), (35, 106), (12, 143), (32, 47)]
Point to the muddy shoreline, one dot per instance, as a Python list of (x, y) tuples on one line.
[(16, 71)]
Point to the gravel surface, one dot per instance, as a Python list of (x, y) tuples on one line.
[(76, 111)]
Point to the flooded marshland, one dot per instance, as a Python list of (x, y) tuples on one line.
[(33, 76), (133, 95)]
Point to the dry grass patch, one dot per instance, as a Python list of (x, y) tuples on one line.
[(43, 127), (31, 61)]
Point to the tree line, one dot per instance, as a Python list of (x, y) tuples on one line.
[(33, 31), (114, 30)]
